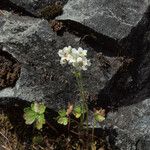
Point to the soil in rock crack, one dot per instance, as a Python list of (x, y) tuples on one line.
[(9, 70)]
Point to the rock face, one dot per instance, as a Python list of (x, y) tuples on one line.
[(131, 92), (112, 18), (132, 124), (126, 88), (33, 43), (144, 143), (44, 8)]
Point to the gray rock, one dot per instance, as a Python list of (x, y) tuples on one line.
[(144, 143), (131, 123), (112, 18), (33, 43), (129, 92), (36, 7), (35, 46)]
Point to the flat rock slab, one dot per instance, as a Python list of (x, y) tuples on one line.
[(109, 17), (34, 45)]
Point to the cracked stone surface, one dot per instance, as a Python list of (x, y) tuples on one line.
[(130, 94), (112, 18), (33, 43)]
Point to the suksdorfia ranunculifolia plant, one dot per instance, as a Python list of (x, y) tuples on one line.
[(77, 58)]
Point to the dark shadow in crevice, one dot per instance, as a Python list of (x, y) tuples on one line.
[(111, 135), (7, 55), (10, 70), (131, 85), (13, 108), (9, 6), (98, 41)]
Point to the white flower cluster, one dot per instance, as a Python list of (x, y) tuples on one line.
[(75, 57)]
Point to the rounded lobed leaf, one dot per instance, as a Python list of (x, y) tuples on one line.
[(38, 107), (77, 111), (62, 112), (98, 117), (40, 121), (63, 120), (29, 115)]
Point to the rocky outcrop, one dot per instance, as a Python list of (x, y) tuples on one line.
[(132, 124), (122, 85), (33, 43), (112, 18), (129, 91)]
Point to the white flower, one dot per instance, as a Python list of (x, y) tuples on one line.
[(83, 63), (82, 52), (75, 57), (65, 54), (78, 63), (63, 61), (65, 51)]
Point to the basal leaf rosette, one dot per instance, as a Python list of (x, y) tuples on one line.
[(62, 118), (35, 114)]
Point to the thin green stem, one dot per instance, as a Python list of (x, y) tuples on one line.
[(82, 106), (94, 123), (82, 95), (84, 99)]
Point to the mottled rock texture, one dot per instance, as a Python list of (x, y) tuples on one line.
[(131, 92), (144, 143), (132, 123), (41, 8), (112, 18), (33, 43), (125, 89)]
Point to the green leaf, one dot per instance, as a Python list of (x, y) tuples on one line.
[(62, 112), (77, 74), (38, 107), (63, 120), (77, 115), (40, 121), (29, 115), (78, 111), (38, 139), (99, 118)]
